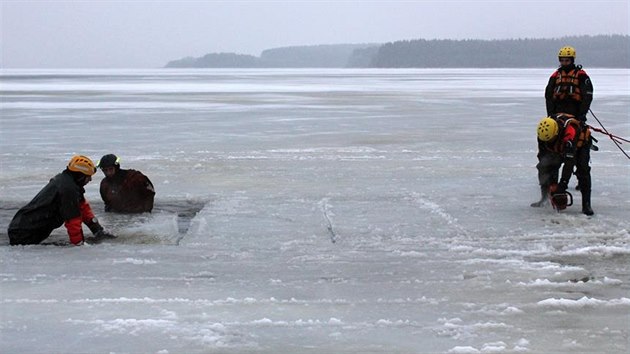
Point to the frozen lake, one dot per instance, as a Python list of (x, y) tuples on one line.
[(315, 211)]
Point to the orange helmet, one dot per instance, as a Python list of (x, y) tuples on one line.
[(83, 164)]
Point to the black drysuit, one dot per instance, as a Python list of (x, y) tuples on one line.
[(59, 201)]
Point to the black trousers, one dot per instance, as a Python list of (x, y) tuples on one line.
[(28, 237), (549, 164)]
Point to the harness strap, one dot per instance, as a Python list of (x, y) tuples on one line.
[(568, 84)]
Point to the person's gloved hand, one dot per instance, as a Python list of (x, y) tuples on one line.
[(94, 226), (569, 150), (102, 234), (98, 237)]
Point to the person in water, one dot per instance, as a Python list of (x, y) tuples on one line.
[(124, 191)]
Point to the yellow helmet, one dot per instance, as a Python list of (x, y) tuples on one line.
[(83, 164), (566, 52), (547, 129)]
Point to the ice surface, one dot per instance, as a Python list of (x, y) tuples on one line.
[(315, 211)]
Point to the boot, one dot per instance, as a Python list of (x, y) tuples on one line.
[(543, 198), (586, 203)]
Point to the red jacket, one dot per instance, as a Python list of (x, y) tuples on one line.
[(569, 133), (74, 225)]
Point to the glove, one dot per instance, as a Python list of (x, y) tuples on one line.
[(102, 234), (94, 226), (569, 150), (99, 237)]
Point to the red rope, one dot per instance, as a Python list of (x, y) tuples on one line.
[(615, 139)]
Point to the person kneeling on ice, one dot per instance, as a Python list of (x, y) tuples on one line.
[(124, 191), (60, 202), (565, 143)]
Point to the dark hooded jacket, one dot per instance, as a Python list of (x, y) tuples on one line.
[(128, 191), (60, 202)]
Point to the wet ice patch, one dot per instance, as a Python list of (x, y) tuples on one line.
[(154, 229), (206, 334), (458, 329), (167, 224)]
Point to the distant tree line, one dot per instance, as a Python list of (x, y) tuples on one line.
[(318, 56), (216, 60), (597, 51), (603, 51)]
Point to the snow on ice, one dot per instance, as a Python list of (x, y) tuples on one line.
[(314, 211)]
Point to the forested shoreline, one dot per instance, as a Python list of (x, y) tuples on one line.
[(605, 51)]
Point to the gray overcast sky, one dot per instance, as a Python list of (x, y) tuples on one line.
[(148, 34)]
